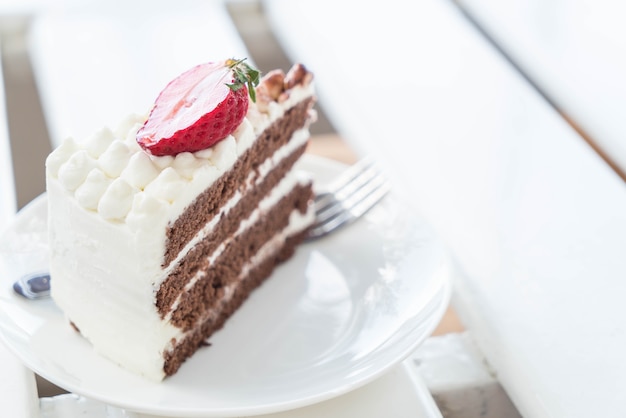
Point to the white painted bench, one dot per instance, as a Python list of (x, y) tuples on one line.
[(535, 218)]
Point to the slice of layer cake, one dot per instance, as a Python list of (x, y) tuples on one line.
[(156, 239)]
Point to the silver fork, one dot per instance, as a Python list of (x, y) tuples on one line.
[(350, 196)]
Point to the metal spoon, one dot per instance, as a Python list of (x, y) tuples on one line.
[(33, 285)]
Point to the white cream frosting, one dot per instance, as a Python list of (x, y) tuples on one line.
[(117, 155), (109, 207)]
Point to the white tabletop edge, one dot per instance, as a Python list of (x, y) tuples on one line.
[(574, 52)]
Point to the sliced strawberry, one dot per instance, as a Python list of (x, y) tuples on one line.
[(199, 108)]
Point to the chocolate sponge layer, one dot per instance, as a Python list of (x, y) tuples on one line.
[(196, 258), (204, 308)]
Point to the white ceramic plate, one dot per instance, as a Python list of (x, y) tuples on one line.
[(339, 314)]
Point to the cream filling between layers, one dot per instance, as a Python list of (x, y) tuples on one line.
[(298, 139), (296, 224)]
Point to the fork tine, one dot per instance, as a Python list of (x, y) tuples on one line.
[(346, 181), (356, 191), (350, 196), (347, 216), (350, 176)]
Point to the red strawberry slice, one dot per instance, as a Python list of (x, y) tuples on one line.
[(199, 108)]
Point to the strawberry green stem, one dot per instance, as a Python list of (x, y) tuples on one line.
[(244, 75)]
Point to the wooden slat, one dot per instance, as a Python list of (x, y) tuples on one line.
[(7, 183), (18, 394), (575, 53), (534, 217)]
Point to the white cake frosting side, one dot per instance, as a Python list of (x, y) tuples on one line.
[(105, 192)]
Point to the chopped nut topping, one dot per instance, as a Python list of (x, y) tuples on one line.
[(298, 74), (272, 84), (275, 85)]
